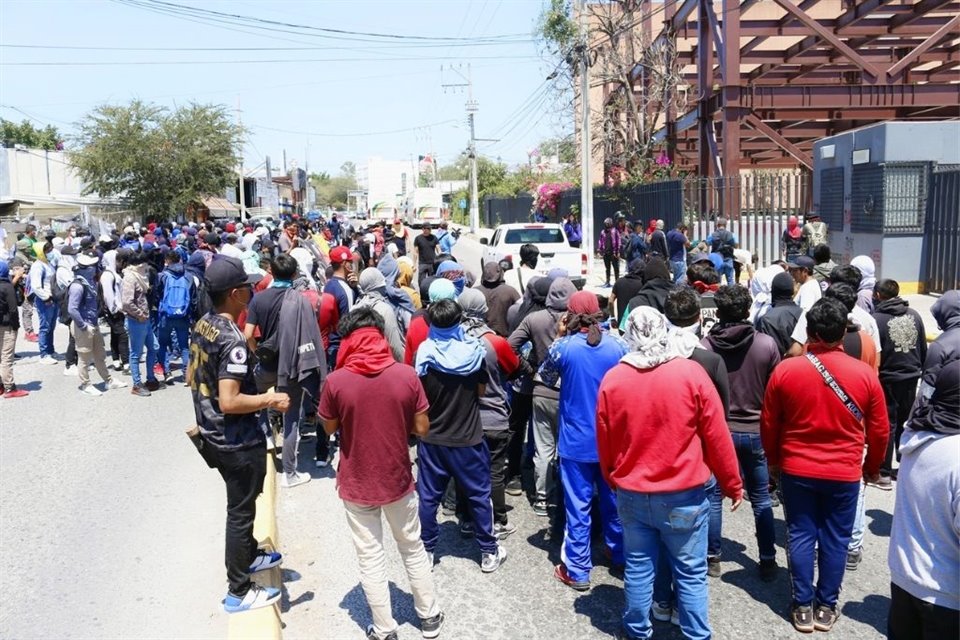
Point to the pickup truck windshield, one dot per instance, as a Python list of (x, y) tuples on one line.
[(534, 236)]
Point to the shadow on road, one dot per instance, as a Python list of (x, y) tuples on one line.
[(880, 522), (355, 604), (872, 611)]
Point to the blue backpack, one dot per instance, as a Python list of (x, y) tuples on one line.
[(176, 296)]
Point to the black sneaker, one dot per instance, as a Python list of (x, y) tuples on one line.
[(825, 617), (501, 531), (514, 488), (713, 567), (802, 619), (430, 627), (540, 508), (768, 570), (466, 529), (853, 559), (372, 635)]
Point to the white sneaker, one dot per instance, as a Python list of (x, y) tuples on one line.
[(322, 464), (265, 560), (296, 480), (48, 360), (113, 383), (490, 562), (90, 390), (71, 371), (117, 366)]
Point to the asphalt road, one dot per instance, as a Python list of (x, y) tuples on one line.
[(523, 600), (113, 528), (111, 523)]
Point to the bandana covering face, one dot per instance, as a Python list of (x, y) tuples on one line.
[(647, 334), (450, 351), (583, 316), (452, 271), (365, 351)]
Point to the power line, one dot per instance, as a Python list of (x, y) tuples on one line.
[(353, 135), (343, 34), (302, 48), (118, 63)]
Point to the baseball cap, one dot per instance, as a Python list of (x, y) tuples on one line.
[(226, 273), (801, 262), (88, 259), (339, 255)]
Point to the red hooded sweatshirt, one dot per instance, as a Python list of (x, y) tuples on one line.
[(672, 439)]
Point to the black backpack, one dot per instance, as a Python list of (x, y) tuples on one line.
[(63, 301), (202, 304), (723, 243)]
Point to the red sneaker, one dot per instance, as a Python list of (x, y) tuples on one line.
[(560, 573), (16, 393), (31, 337), (158, 370)]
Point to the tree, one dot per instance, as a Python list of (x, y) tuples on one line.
[(161, 161), (642, 79), (29, 136), (332, 191)]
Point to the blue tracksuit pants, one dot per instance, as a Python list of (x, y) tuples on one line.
[(582, 481), (470, 467)]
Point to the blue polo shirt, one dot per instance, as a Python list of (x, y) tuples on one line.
[(581, 368)]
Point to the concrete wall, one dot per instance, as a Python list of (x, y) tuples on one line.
[(896, 256)]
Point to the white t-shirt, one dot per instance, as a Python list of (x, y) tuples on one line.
[(513, 277), (858, 315), (809, 293)]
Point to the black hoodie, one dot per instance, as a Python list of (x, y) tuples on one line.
[(750, 358), (902, 339)]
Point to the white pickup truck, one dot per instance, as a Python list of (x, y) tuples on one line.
[(555, 250)]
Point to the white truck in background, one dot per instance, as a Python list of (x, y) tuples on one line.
[(550, 239), (423, 204)]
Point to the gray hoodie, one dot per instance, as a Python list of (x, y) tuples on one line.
[(540, 329), (925, 539)]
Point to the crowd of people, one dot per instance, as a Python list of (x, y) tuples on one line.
[(440, 390)]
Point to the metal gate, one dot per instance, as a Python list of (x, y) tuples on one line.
[(942, 236)]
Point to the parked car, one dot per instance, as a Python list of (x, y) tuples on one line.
[(555, 250)]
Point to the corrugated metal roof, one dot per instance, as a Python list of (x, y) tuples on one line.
[(220, 204)]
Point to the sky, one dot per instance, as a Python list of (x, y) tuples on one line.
[(301, 88)]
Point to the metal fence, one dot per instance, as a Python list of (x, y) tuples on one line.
[(942, 237), (757, 206)]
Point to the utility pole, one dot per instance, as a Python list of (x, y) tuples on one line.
[(586, 181), (472, 108), (243, 195)]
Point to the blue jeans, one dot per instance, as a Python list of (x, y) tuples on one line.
[(302, 394), (726, 269), (678, 521), (678, 268), (856, 536), (581, 481), (47, 311), (168, 327), (141, 334), (756, 478), (820, 515)]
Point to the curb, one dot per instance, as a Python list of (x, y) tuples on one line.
[(263, 623)]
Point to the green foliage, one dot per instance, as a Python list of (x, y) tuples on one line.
[(564, 148), (332, 190), (556, 27), (29, 136), (160, 160)]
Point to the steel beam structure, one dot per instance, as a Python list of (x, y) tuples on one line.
[(760, 102)]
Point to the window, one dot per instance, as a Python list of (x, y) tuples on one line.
[(542, 235)]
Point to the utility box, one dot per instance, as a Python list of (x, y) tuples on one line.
[(886, 191)]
